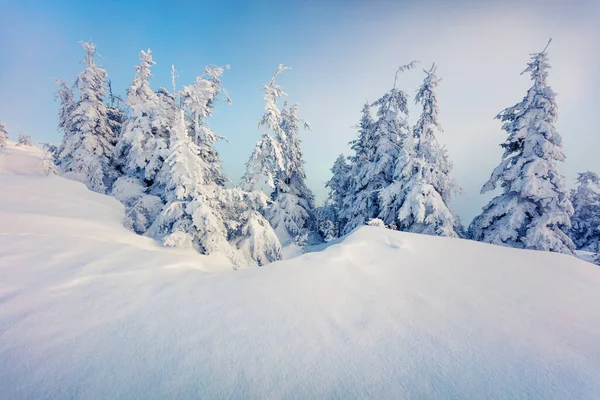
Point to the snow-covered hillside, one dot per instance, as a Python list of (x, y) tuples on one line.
[(89, 310)]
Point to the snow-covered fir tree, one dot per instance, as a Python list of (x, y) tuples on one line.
[(376, 153), (277, 162), (64, 95), (263, 164), (585, 229), (3, 135), (114, 113), (533, 211), (340, 186), (142, 148), (87, 147), (358, 208), (417, 200), (202, 214), (249, 231), (241, 211), (173, 183), (49, 160), (267, 157), (189, 219), (141, 207), (200, 98), (292, 212), (327, 221)]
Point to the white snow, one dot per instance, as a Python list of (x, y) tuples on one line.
[(90, 310), (21, 160)]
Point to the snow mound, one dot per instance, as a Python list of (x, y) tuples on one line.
[(90, 310), (22, 160)]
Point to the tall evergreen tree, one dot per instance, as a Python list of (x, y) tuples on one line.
[(277, 161), (292, 212), (585, 230), (173, 185), (200, 98), (142, 148), (189, 218), (203, 214), (339, 194), (115, 114), (3, 135), (534, 209), (267, 156), (87, 148), (261, 167), (359, 201), (421, 174), (248, 230), (376, 153), (327, 224), (64, 94)]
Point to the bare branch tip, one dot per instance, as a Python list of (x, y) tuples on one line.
[(547, 45)]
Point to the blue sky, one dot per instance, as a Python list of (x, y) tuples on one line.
[(342, 53)]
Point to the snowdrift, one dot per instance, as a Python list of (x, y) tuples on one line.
[(89, 310)]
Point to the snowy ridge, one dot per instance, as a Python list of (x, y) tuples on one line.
[(63, 214), (21, 160), (89, 309)]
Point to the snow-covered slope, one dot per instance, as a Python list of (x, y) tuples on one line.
[(21, 160), (89, 310)]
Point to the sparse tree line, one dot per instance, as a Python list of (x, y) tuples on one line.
[(155, 153), (22, 140)]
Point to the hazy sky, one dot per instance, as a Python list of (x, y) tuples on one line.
[(342, 54)]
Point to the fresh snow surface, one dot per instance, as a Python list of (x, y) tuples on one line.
[(21, 160), (585, 255), (89, 310)]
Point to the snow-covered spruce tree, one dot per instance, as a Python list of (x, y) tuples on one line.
[(326, 217), (67, 103), (534, 209), (267, 157), (200, 98), (241, 211), (339, 194), (141, 149), (393, 119), (263, 164), (292, 211), (114, 113), (3, 135), (585, 229), (48, 161), (249, 232), (358, 207), (141, 188), (418, 199), (277, 161), (188, 219), (377, 151), (165, 119), (202, 214), (87, 150), (173, 191)]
